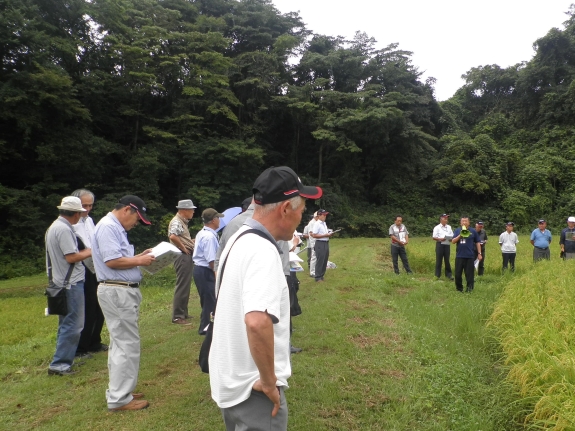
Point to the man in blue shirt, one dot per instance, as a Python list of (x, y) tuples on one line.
[(118, 272), (205, 251), (468, 243), (540, 240)]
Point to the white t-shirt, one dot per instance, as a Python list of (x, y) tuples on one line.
[(253, 281), (507, 241), (441, 231)]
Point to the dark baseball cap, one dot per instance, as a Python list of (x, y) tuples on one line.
[(480, 222), (209, 214), (509, 223), (278, 184), (541, 221), (138, 204), (444, 215), (322, 212)]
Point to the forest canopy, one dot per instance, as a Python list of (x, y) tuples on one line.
[(175, 99)]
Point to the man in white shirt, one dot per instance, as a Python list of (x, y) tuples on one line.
[(508, 241), (399, 239), (442, 235), (311, 257), (249, 358), (321, 235)]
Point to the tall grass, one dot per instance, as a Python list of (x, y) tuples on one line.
[(535, 320)]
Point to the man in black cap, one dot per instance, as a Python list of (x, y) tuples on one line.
[(179, 235), (250, 353), (540, 240), (118, 272), (321, 235), (479, 228)]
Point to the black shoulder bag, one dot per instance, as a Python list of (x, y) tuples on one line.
[(207, 343), (57, 303)]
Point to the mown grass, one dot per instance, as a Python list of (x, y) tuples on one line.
[(381, 352)]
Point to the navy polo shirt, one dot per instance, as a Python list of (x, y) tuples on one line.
[(466, 246)]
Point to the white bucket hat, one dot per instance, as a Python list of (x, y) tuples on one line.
[(71, 203)]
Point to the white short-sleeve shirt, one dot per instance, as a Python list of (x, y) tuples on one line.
[(253, 280)]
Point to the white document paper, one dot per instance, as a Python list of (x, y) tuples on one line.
[(89, 263), (165, 254), (476, 264)]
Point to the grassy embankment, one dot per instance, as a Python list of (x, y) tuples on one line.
[(381, 352)]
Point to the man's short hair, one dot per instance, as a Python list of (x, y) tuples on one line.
[(295, 202), (82, 192), (398, 216)]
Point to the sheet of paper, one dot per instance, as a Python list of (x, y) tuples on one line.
[(165, 254)]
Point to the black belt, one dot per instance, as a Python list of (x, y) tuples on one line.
[(541, 248), (121, 283)]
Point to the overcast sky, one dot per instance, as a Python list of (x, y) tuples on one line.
[(447, 37)]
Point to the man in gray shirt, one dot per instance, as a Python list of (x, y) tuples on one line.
[(63, 257)]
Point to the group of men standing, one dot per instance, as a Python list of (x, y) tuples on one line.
[(470, 251), (250, 352)]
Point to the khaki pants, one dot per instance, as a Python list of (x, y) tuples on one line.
[(121, 307)]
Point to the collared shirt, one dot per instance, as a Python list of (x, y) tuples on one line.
[(320, 228), (206, 247), (60, 241), (541, 239), (466, 246), (179, 227), (441, 231), (309, 227), (400, 232), (482, 238), (231, 228), (111, 242), (85, 230), (508, 242), (568, 240)]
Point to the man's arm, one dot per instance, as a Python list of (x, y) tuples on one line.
[(142, 259), (178, 243), (77, 257), (478, 246), (260, 333)]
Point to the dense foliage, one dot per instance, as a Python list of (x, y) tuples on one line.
[(172, 99)]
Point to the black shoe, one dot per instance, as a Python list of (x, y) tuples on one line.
[(83, 356), (67, 372), (102, 348), (293, 349)]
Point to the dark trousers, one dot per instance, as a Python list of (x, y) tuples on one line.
[(322, 255), (399, 251), (541, 253), (206, 284), (481, 266), (442, 254), (309, 250), (464, 264), (508, 258), (90, 338)]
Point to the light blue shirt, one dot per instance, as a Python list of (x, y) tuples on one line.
[(320, 228), (541, 239), (111, 242), (206, 247)]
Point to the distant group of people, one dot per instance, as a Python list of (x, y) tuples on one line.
[(470, 243), (250, 306)]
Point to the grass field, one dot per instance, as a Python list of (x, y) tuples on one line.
[(381, 352)]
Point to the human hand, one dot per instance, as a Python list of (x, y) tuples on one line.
[(146, 258), (480, 257), (271, 391)]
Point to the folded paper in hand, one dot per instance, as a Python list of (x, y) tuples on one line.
[(165, 254)]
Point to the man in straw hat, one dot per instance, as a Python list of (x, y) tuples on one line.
[(64, 262), (179, 235)]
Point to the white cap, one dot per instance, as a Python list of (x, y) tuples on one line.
[(71, 203), (571, 219)]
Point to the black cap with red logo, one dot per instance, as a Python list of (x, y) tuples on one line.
[(277, 184)]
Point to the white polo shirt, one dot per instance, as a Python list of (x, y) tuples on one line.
[(441, 231), (253, 281)]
